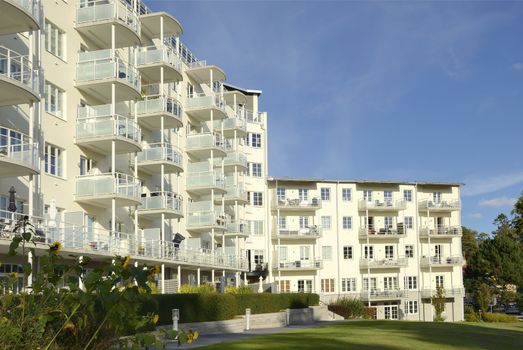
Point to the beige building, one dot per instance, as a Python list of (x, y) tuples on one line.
[(118, 140)]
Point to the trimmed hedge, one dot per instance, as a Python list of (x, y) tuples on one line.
[(489, 317), (348, 308), (218, 307)]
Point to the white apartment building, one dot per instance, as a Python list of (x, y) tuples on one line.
[(118, 140)]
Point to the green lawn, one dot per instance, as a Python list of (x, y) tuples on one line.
[(388, 335)]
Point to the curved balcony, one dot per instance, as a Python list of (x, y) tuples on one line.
[(237, 228), (376, 233), (201, 107), (390, 294), (151, 159), (297, 234), (18, 155), (96, 71), (234, 160), (96, 129), (441, 206), (205, 182), (18, 16), (441, 232), (202, 73), (385, 205), (230, 126), (155, 204), (202, 217), (152, 108), (95, 18), (202, 146), (152, 26), (19, 79), (297, 204), (392, 263), (439, 261), (298, 265), (100, 189), (150, 59)]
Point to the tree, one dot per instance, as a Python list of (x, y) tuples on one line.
[(438, 301), (469, 243), (483, 297), (517, 220)]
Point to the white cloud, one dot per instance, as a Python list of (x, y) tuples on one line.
[(498, 202), (518, 66), (484, 185), (475, 215)]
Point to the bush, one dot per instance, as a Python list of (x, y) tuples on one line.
[(348, 308), (204, 307), (202, 289), (471, 316), (498, 318), (238, 290)]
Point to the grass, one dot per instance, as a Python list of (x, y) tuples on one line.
[(389, 335)]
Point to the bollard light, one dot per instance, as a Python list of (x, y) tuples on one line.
[(176, 317), (247, 319)]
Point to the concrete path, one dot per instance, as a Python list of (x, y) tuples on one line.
[(211, 339)]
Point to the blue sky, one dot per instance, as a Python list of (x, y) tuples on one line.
[(379, 90)]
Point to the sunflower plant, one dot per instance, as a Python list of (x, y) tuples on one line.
[(103, 311)]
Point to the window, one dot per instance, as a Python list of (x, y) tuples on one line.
[(347, 252), (407, 195), (390, 283), (388, 222), (54, 40), (389, 252), (348, 285), (368, 252), (280, 193), (283, 254), (408, 222), (387, 197), (285, 286), (367, 196), (256, 199), (325, 194), (254, 140), (411, 307), (439, 281), (53, 160), (86, 165), (346, 194), (411, 282), (326, 252), (347, 222), (255, 169), (436, 197), (305, 252), (304, 286), (256, 227), (303, 194), (282, 222), (372, 283), (409, 251), (304, 222), (258, 257), (327, 285), (54, 100), (326, 222)]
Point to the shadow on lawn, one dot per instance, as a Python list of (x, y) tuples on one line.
[(386, 335)]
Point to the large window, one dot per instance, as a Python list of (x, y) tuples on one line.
[(440, 281), (283, 254), (346, 194), (411, 307), (409, 251), (367, 195), (280, 193), (348, 285), (327, 285), (305, 252), (258, 257), (282, 222), (326, 222), (54, 40), (368, 252), (372, 285), (304, 222), (255, 198), (407, 195), (326, 252), (389, 252), (53, 160), (253, 140), (390, 283), (325, 194), (86, 165), (347, 252), (409, 222), (347, 222), (388, 221), (303, 194), (285, 286), (256, 227), (54, 100), (411, 282), (255, 169), (304, 286), (436, 197)]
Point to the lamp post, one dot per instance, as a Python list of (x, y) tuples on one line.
[(176, 317)]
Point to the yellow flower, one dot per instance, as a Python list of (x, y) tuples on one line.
[(55, 247), (13, 275), (126, 261), (155, 319)]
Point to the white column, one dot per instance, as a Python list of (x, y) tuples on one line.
[(179, 277), (198, 276)]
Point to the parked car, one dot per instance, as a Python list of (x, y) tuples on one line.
[(512, 310)]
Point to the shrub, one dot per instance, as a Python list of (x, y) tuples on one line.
[(348, 308), (238, 290), (498, 318), (471, 316), (202, 289)]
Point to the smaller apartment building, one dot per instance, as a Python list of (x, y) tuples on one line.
[(388, 243)]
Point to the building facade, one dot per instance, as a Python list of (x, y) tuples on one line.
[(118, 140)]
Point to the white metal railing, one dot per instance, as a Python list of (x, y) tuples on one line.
[(202, 100), (255, 118), (90, 126), (312, 202), (449, 292), (117, 184), (103, 64), (441, 231), (90, 240), (162, 200), (205, 179), (20, 69), (298, 232), (102, 10), (161, 152), (206, 140), (383, 294), (385, 204), (379, 232), (159, 104), (383, 263), (299, 264), (450, 204), (163, 54), (18, 147), (441, 261)]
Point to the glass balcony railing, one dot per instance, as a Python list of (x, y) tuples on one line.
[(93, 122), (93, 11), (312, 203), (309, 232), (441, 231), (200, 101), (117, 184), (155, 104), (20, 69), (386, 204), (161, 152), (158, 55), (372, 231), (442, 205), (17, 147), (206, 179), (383, 294), (102, 64), (393, 262), (34, 7), (236, 192), (162, 201), (234, 158), (312, 264), (208, 140), (238, 227), (441, 261), (230, 124), (206, 218)]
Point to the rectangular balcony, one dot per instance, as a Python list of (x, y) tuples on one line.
[(235, 193), (155, 204), (297, 204), (205, 182), (202, 107), (238, 228), (441, 206), (204, 221), (155, 155), (449, 292), (230, 126), (438, 261), (441, 232), (234, 160), (372, 232), (392, 263), (298, 265), (385, 205), (100, 189), (374, 294), (289, 233), (152, 108), (203, 146)]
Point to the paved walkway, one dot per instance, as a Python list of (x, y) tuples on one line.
[(210, 339)]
